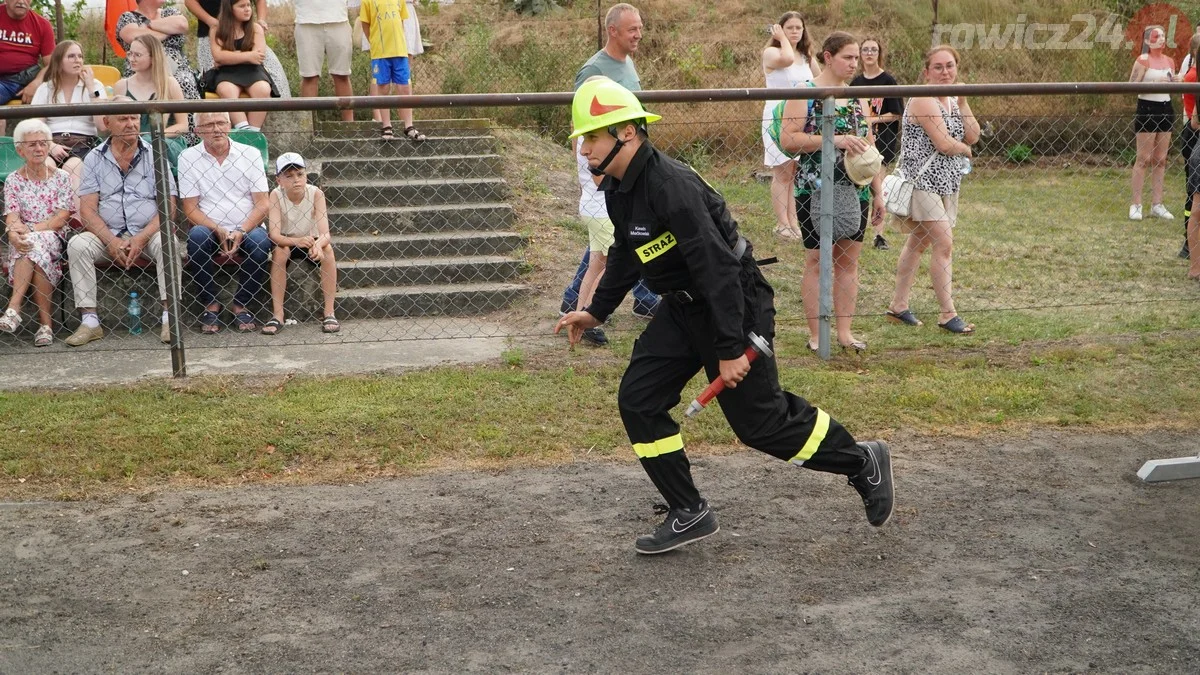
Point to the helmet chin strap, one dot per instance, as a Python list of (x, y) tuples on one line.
[(599, 169)]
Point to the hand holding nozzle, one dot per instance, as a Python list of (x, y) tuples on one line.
[(757, 346)]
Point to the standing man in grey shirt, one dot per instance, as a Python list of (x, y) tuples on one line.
[(624, 26)]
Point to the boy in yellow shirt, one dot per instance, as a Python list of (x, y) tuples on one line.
[(383, 24)]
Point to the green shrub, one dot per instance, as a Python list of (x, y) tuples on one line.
[(1019, 153)]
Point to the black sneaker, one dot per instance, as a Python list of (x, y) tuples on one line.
[(1183, 252), (874, 482), (595, 337), (881, 243), (681, 527)]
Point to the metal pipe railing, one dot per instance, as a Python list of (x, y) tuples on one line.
[(564, 98)]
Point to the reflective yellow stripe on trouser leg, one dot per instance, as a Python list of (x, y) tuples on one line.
[(820, 428), (660, 447)]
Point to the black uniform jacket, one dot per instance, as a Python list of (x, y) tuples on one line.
[(672, 229)]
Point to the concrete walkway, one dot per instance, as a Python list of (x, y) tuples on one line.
[(390, 345)]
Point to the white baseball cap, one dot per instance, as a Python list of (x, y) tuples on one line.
[(287, 159)]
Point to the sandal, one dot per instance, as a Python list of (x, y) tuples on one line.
[(330, 325), (245, 322), (905, 317), (44, 337), (788, 234), (958, 326), (210, 321), (272, 327), (10, 321), (386, 133), (857, 345), (413, 135)]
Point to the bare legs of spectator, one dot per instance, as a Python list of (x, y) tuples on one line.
[(279, 262), (783, 199), (373, 90), (845, 291), (260, 89), (1152, 151), (406, 114), (341, 87), (939, 235), (26, 273)]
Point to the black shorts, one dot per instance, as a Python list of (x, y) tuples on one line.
[(811, 231), (298, 253), (1153, 117)]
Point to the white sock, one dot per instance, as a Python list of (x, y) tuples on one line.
[(242, 125), (91, 320)]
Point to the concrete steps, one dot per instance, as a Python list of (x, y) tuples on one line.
[(440, 166), (420, 228), (413, 191), (432, 245), (427, 218), (465, 299)]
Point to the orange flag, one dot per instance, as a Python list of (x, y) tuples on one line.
[(112, 11)]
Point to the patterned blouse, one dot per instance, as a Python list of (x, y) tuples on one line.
[(36, 201), (848, 119), (172, 45), (944, 175)]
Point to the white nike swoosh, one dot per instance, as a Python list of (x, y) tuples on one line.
[(686, 526), (877, 478)]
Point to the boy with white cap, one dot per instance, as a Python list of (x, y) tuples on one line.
[(298, 224)]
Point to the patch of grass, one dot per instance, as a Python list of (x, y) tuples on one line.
[(555, 408)]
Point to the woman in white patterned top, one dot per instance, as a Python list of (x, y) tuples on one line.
[(935, 150)]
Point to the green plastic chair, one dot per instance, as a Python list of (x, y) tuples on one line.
[(10, 161), (255, 139)]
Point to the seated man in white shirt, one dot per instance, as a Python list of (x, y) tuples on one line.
[(223, 191)]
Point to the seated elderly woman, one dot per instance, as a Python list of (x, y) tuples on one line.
[(37, 200)]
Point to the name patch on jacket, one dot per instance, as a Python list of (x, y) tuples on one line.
[(659, 246)]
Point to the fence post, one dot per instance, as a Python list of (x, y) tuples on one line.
[(828, 156), (599, 26), (170, 245)]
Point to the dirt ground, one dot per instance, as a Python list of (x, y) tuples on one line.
[(1042, 553)]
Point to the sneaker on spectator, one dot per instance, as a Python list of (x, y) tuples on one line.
[(1135, 211), (1160, 211), (595, 337), (1184, 252), (881, 243)]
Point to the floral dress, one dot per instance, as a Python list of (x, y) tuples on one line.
[(36, 201), (848, 119), (172, 45)]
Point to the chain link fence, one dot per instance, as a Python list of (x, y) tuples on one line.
[(480, 230)]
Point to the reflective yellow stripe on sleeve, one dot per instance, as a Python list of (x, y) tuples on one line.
[(814, 439), (659, 246), (660, 447)]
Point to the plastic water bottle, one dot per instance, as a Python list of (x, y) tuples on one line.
[(965, 166), (135, 314)]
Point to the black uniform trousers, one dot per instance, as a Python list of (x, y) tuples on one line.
[(673, 348)]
